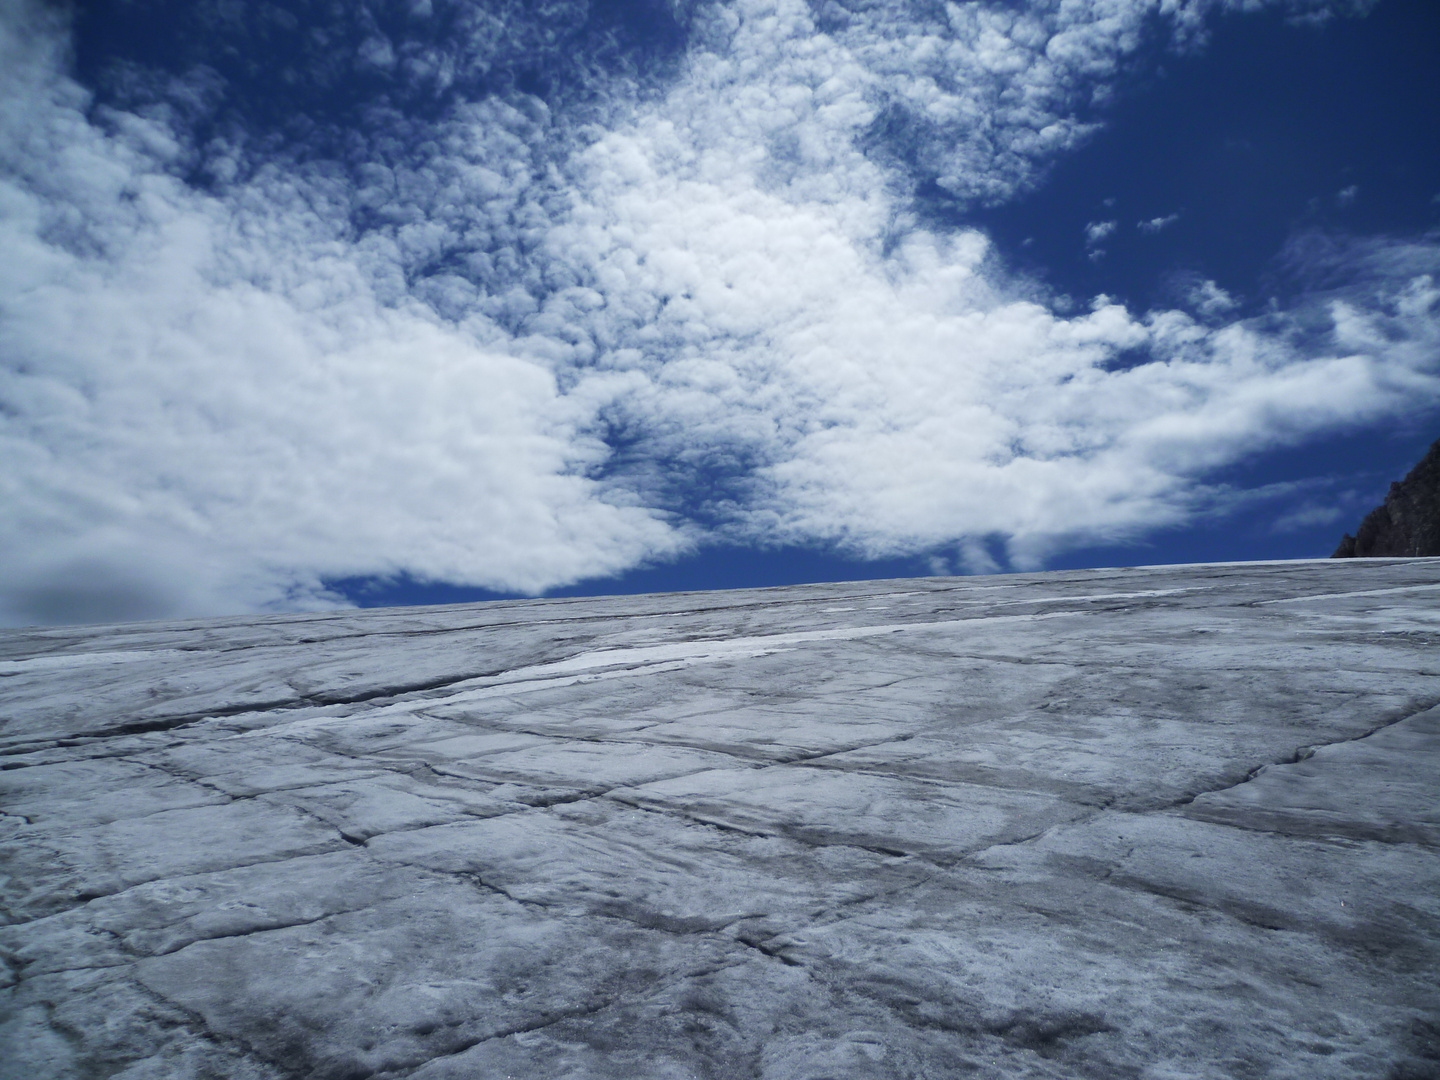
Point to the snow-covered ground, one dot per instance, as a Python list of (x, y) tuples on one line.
[(1170, 823)]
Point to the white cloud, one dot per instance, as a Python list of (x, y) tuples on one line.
[(207, 400), (895, 401), (1155, 224), (214, 402), (1209, 300), (1099, 230)]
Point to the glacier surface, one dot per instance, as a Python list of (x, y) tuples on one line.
[(1158, 822)]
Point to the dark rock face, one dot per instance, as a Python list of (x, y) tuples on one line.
[(1409, 521)]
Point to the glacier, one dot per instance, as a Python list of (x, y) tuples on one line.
[(1149, 822)]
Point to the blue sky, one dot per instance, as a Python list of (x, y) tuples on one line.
[(308, 304)]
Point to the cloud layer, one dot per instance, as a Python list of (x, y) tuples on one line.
[(516, 328)]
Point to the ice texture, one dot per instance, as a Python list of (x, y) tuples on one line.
[(1161, 822)]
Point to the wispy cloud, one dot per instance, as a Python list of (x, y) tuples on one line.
[(1155, 224), (1209, 300), (1097, 231), (514, 344)]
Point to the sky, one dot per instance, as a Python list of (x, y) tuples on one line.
[(308, 304)]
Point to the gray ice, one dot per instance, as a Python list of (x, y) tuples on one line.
[(1161, 822)]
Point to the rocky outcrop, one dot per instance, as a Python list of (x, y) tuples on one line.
[(1408, 523)]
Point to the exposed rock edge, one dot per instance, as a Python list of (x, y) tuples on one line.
[(1407, 524)]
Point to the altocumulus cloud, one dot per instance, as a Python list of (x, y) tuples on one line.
[(518, 330)]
